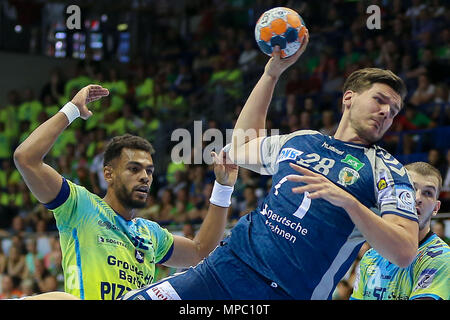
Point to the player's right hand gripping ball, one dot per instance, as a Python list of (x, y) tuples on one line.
[(280, 26)]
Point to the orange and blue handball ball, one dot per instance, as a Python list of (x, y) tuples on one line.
[(280, 26)]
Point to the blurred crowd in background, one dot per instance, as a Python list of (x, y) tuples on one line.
[(206, 75)]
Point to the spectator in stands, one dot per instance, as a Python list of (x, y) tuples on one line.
[(31, 256), (16, 266), (188, 230), (425, 91), (436, 160), (438, 227), (329, 124), (3, 258), (9, 289)]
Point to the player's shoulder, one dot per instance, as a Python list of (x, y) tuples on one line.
[(302, 133), (435, 250), (306, 137), (149, 225)]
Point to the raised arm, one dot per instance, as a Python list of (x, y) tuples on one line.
[(42, 180), (252, 119), (188, 252)]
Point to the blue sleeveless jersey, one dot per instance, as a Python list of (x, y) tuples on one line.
[(306, 246)]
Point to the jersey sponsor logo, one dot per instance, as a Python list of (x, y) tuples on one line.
[(108, 225), (405, 198), (353, 162), (110, 241), (112, 291), (381, 184), (163, 291), (332, 148), (274, 221), (348, 176), (385, 190), (288, 154), (130, 272), (425, 279)]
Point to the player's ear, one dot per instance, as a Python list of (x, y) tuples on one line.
[(436, 207), (108, 173), (347, 99)]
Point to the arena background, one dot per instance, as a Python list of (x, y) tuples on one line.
[(168, 63)]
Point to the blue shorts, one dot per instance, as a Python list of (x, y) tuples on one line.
[(220, 276)]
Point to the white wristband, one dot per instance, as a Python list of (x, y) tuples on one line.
[(221, 195), (71, 111)]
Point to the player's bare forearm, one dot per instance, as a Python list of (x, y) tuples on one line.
[(394, 237), (187, 253), (211, 230)]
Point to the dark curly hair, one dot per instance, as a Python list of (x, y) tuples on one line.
[(115, 146)]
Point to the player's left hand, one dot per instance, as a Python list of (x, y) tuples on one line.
[(226, 172), (318, 186), (88, 94)]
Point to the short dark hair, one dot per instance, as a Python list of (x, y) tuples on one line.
[(363, 79), (426, 169), (115, 146)]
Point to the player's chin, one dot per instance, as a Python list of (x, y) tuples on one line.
[(139, 202)]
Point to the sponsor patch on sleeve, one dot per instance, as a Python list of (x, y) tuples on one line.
[(163, 291), (288, 154), (404, 195), (425, 279)]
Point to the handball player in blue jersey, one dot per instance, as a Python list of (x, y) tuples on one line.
[(329, 194)]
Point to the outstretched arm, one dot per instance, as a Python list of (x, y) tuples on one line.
[(188, 252), (252, 118), (43, 181)]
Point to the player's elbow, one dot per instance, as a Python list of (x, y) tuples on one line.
[(406, 255), (20, 157)]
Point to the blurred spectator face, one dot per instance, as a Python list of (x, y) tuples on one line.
[(26, 287), (18, 224), (439, 229), (188, 231), (166, 197), (309, 104), (7, 283), (249, 194), (50, 284), (433, 156), (423, 82), (327, 118)]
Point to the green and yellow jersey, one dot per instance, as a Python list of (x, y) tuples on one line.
[(426, 276), (105, 255)]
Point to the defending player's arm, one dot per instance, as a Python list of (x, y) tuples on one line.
[(248, 131), (43, 181), (188, 252), (394, 237)]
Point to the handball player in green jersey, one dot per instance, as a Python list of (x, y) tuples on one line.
[(427, 277), (106, 250)]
